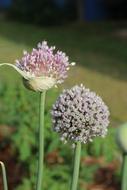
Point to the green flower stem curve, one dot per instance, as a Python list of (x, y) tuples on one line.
[(41, 141), (4, 176), (76, 165), (124, 173)]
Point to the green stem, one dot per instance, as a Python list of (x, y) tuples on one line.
[(124, 173), (4, 175), (76, 165), (41, 141)]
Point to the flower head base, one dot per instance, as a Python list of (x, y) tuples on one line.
[(42, 68), (39, 84), (80, 115)]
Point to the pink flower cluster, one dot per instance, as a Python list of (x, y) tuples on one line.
[(44, 62)]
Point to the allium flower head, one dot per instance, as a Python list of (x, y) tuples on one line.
[(80, 115), (42, 68)]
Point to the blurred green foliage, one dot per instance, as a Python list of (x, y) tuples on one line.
[(19, 110)]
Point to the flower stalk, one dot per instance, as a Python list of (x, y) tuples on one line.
[(41, 141), (4, 176), (76, 165), (124, 173)]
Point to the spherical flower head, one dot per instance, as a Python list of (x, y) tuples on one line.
[(44, 67), (80, 115)]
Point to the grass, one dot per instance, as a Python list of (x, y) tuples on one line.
[(100, 56)]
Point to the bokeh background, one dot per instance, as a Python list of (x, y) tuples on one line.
[(94, 35)]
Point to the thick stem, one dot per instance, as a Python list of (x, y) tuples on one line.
[(4, 176), (124, 173), (76, 165), (41, 141)]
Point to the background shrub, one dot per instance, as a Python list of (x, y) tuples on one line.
[(42, 12)]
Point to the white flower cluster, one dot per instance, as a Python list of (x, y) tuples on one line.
[(80, 115)]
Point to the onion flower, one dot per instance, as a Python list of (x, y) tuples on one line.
[(42, 68)]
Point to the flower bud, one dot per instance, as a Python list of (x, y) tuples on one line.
[(121, 137)]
